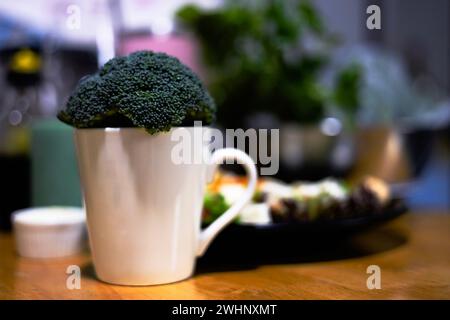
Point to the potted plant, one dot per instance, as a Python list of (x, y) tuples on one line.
[(265, 62), (143, 208)]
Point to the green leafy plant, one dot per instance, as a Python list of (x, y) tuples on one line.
[(268, 55)]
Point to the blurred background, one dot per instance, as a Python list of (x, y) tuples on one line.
[(349, 101)]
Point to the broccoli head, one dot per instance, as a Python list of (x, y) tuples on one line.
[(144, 89)]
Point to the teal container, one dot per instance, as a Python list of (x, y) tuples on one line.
[(54, 173)]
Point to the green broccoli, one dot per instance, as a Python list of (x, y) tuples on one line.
[(214, 205), (144, 89)]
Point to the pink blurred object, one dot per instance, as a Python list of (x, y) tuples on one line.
[(184, 48)]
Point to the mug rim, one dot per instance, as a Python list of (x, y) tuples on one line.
[(118, 129), (135, 128)]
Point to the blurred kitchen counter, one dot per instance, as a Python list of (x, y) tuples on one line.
[(413, 253)]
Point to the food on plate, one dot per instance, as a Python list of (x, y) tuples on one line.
[(275, 201), (378, 187), (330, 199), (214, 204), (255, 213)]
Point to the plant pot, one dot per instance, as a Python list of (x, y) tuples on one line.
[(381, 152)]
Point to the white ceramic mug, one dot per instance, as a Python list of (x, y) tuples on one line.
[(143, 209)]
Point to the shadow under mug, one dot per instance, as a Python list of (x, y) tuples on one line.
[(143, 208)]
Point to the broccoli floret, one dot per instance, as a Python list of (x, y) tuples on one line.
[(214, 205), (144, 89)]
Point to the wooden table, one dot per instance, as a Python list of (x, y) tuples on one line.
[(413, 253)]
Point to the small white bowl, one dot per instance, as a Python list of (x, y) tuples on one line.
[(49, 232)]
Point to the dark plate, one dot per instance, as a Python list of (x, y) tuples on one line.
[(254, 242)]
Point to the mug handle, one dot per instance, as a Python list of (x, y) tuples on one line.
[(207, 235)]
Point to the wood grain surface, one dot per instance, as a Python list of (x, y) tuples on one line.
[(413, 253)]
